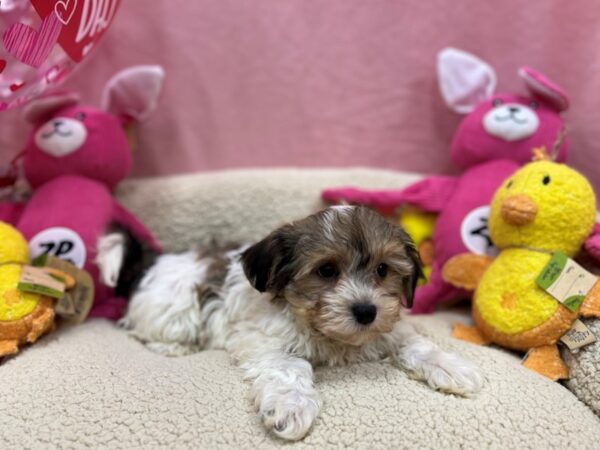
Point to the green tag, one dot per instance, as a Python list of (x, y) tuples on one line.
[(40, 261), (566, 281), (39, 289), (36, 281)]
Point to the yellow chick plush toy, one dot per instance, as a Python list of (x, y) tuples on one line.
[(545, 207), (420, 225), (24, 317)]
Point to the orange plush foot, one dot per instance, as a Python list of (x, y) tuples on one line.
[(43, 320), (8, 347), (469, 334), (546, 361), (591, 305)]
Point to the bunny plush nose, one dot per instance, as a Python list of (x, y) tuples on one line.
[(518, 210), (514, 109)]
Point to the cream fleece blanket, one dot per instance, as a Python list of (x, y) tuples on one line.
[(92, 386)]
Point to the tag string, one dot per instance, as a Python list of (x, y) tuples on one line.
[(560, 138)]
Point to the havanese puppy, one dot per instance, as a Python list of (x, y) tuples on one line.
[(325, 290)]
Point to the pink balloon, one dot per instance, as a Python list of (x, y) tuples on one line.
[(43, 41)]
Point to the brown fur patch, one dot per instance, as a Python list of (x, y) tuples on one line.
[(218, 264)]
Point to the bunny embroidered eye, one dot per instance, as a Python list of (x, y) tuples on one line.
[(496, 102), (546, 180), (80, 116), (533, 105)]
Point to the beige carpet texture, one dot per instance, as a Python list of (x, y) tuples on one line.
[(92, 386)]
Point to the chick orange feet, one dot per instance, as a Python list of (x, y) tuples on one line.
[(546, 361)]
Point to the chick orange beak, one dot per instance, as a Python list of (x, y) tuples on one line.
[(518, 210)]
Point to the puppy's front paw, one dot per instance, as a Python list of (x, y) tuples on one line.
[(453, 374), (290, 414)]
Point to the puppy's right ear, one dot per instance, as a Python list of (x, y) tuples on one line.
[(268, 265)]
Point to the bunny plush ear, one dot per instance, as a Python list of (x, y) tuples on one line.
[(133, 92), (464, 79), (42, 108), (545, 89)]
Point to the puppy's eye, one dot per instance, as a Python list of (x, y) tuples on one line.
[(327, 271), (533, 105), (382, 270), (496, 102), (546, 180), (80, 116)]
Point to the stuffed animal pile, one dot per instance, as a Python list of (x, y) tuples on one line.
[(74, 158), (493, 140), (544, 209)]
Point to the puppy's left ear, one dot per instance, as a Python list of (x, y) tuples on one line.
[(410, 284), (268, 265)]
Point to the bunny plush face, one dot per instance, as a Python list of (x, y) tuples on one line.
[(511, 119), (78, 140), (71, 139), (506, 126), (499, 126)]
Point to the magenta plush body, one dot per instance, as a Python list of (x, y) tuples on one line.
[(497, 135), (73, 160)]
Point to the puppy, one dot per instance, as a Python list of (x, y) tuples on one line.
[(325, 290)]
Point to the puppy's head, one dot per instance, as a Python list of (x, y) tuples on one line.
[(345, 272)]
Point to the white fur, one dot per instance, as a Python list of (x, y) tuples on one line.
[(110, 257), (276, 352), (164, 312)]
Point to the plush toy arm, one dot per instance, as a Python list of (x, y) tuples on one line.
[(430, 195), (465, 270), (130, 222), (11, 212)]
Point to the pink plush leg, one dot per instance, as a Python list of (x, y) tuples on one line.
[(112, 308), (436, 291)]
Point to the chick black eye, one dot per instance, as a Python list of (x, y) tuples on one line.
[(546, 180), (80, 116), (533, 105), (509, 184), (382, 270), (327, 271), (496, 102)]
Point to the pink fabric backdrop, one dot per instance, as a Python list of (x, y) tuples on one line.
[(331, 83)]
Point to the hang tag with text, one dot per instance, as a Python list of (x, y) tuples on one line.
[(578, 336), (74, 306), (566, 281), (37, 281)]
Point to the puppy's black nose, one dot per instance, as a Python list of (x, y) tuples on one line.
[(514, 109), (364, 313)]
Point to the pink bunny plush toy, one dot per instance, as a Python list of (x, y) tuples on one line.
[(74, 158), (496, 136)]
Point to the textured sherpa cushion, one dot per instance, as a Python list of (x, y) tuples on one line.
[(93, 386), (585, 369)]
